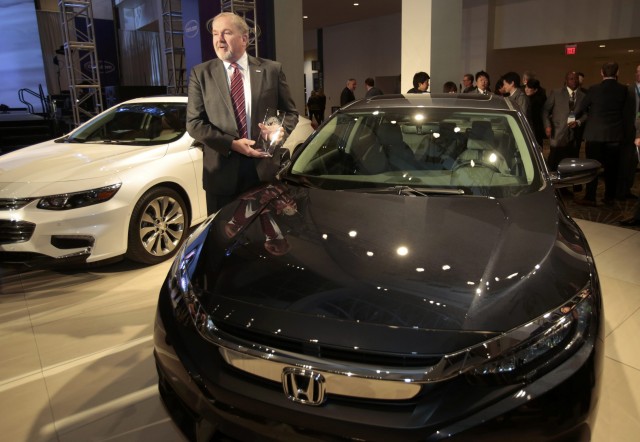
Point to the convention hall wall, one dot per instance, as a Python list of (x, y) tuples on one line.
[(498, 36)]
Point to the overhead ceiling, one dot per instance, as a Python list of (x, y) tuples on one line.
[(323, 13)]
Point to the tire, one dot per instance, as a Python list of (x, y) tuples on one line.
[(159, 225)]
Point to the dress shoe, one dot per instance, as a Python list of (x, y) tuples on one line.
[(586, 202), (630, 222), (630, 196), (608, 201)]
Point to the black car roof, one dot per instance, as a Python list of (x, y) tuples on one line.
[(473, 101)]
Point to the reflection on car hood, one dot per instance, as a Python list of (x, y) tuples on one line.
[(295, 262), (25, 171)]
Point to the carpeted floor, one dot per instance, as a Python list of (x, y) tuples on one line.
[(602, 213)]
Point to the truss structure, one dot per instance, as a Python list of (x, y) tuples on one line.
[(81, 58), (174, 46), (247, 10)]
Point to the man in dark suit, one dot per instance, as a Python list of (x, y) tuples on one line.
[(560, 124), (611, 123), (227, 125), (630, 157), (347, 95)]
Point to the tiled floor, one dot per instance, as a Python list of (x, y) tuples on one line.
[(76, 350)]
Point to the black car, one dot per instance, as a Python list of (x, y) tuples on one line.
[(411, 275)]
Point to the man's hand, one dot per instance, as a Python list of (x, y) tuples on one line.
[(244, 147), (547, 132)]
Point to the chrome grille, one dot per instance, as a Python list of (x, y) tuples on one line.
[(15, 231), (14, 203)]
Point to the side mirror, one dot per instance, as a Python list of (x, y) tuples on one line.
[(574, 171)]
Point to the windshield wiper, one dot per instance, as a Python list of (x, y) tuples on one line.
[(411, 191)]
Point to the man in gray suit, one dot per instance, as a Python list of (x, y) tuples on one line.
[(560, 124), (227, 126)]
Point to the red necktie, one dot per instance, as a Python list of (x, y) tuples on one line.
[(237, 98)]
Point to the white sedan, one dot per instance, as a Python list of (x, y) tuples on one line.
[(127, 182)]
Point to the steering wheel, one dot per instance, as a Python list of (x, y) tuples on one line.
[(476, 163)]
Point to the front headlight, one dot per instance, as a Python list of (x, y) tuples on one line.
[(535, 348), (186, 306), (74, 200)]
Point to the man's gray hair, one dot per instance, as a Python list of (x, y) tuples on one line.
[(235, 19)]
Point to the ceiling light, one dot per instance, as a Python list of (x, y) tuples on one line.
[(603, 46), (305, 16), (630, 50), (356, 4)]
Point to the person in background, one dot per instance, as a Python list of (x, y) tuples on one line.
[(629, 150), (511, 82), (634, 221), (537, 98), (225, 114), (610, 108), (347, 95), (450, 88), (313, 106), (581, 82), (467, 84), (420, 83), (499, 89), (482, 83), (372, 90), (560, 124)]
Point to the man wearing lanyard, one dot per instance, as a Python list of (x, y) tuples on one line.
[(228, 99)]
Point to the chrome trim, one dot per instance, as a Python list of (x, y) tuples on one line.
[(304, 386), (14, 203), (342, 384), (449, 366)]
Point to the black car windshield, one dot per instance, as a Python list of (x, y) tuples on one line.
[(451, 151), (135, 123)]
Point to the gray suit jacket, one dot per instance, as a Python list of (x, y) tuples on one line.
[(210, 118), (555, 114), (521, 99)]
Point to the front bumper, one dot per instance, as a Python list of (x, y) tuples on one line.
[(206, 396), (91, 233)]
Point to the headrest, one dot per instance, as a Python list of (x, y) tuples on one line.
[(447, 127), (481, 130), (389, 134)]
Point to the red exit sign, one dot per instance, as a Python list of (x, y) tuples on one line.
[(570, 49)]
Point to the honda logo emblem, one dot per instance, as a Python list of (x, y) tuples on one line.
[(303, 386)]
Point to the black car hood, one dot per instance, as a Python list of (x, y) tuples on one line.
[(390, 272)]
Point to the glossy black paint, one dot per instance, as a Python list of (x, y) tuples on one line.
[(323, 273)]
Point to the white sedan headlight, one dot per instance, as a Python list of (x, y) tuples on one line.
[(67, 201)]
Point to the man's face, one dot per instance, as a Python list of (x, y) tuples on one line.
[(572, 81), (467, 82), (482, 82), (508, 87), (638, 74), (228, 41), (423, 86), (352, 85)]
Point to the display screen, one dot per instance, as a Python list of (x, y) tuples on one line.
[(21, 64)]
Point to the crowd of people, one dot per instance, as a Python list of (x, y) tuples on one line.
[(605, 117)]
